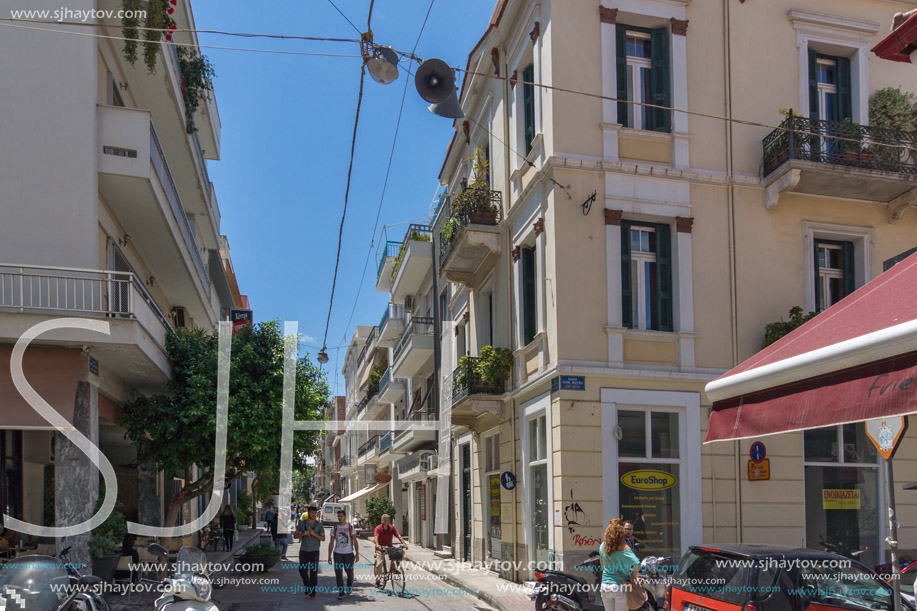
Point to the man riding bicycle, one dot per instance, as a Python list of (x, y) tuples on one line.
[(383, 537)]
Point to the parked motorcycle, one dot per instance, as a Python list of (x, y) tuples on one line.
[(42, 583), (359, 522), (189, 588), (88, 598), (572, 591), (842, 549)]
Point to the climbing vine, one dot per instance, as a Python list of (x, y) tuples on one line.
[(196, 81)]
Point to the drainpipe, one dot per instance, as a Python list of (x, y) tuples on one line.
[(733, 289), (437, 368)]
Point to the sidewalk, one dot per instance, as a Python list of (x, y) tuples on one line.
[(144, 600), (500, 593)]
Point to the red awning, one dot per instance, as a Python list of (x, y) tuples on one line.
[(855, 361), (900, 42)]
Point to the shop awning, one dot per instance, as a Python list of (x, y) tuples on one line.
[(855, 361), (361, 493)]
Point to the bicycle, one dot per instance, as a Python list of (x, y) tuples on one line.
[(392, 569)]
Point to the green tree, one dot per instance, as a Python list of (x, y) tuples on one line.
[(177, 430), (776, 330), (376, 507)]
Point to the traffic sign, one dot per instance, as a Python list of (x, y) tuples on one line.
[(508, 480), (759, 471), (886, 434), (758, 451)]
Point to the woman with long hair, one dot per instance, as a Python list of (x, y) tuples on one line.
[(618, 566), (228, 522)]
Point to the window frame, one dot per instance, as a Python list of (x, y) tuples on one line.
[(528, 107), (664, 305), (862, 239)]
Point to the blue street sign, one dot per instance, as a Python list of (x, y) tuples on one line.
[(93, 366), (758, 452), (568, 383), (508, 480)]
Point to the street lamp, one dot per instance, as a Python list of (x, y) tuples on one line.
[(323, 355), (383, 64)]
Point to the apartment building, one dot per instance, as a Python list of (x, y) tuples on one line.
[(326, 479), (626, 255), (108, 215)]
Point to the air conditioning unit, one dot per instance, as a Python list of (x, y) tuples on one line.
[(179, 318), (408, 303)]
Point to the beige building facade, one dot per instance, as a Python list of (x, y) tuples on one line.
[(630, 254)]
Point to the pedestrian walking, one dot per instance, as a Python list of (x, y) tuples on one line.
[(310, 533), (383, 536), (281, 542), (228, 522), (343, 552), (619, 565)]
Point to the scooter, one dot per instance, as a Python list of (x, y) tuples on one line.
[(572, 592), (42, 583), (87, 599), (841, 549), (359, 522), (189, 588)]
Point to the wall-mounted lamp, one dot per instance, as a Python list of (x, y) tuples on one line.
[(124, 241)]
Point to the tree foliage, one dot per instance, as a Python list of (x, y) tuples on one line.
[(776, 330), (177, 430), (376, 507)]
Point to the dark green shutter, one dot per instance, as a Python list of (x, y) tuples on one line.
[(664, 277), (818, 296), (621, 56), (844, 99), (627, 316), (528, 104), (659, 79), (528, 295), (813, 84), (849, 277)]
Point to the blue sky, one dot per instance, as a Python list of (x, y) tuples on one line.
[(287, 126)]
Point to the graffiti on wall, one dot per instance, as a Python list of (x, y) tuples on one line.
[(575, 515)]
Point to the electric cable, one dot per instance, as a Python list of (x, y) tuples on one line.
[(331, 2)]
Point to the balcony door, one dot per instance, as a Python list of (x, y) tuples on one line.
[(119, 282)]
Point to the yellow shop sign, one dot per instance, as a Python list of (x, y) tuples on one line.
[(649, 479), (840, 499)]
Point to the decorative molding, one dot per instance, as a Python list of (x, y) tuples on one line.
[(466, 316), (608, 15), (514, 79), (535, 33), (517, 253), (539, 226), (898, 206), (680, 26), (860, 26), (495, 58), (684, 224), (785, 183), (613, 217), (466, 129)]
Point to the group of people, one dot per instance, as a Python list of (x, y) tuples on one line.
[(343, 549)]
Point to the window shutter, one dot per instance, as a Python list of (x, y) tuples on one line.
[(627, 316), (844, 99), (528, 295), (621, 56), (528, 103), (664, 277), (849, 276), (659, 77), (818, 289), (813, 84)]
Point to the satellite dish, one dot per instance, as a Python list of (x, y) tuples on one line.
[(383, 64)]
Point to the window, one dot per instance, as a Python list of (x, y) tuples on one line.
[(444, 306), (834, 274), (538, 484), (646, 276), (829, 87), (492, 473), (528, 106), (529, 305), (643, 77)]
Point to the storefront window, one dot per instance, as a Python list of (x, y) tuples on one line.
[(538, 476), (11, 477), (492, 476), (649, 470), (842, 490)]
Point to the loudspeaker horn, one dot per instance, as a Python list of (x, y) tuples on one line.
[(434, 81), (449, 108)]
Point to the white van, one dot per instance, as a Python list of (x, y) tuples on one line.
[(329, 513)]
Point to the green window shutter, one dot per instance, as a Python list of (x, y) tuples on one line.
[(627, 316), (528, 295), (664, 277), (621, 56), (813, 84), (849, 276), (844, 99), (659, 80), (818, 289), (528, 103)]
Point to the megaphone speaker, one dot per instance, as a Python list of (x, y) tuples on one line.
[(434, 81), (449, 108)]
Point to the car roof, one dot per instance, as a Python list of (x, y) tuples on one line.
[(755, 550)]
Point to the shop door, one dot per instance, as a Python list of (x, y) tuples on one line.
[(466, 502)]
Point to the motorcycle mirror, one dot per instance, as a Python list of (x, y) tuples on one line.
[(593, 554), (157, 550)]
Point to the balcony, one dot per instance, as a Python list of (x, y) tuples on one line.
[(391, 326), (414, 348), (391, 390), (423, 435), (413, 263), (472, 395), (136, 181), (368, 450), (347, 465), (416, 466), (387, 452), (385, 442), (386, 265), (471, 233), (135, 347), (843, 160)]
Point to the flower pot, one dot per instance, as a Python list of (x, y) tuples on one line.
[(254, 564), (483, 218), (104, 568)]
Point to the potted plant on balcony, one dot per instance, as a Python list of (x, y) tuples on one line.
[(494, 365), (375, 375), (850, 143), (895, 111), (474, 201)]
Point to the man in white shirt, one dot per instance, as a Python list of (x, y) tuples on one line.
[(343, 552)]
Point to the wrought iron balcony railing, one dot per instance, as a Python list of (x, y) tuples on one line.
[(840, 143), (346, 461), (369, 446), (413, 461), (417, 233), (391, 250), (393, 311), (385, 442), (366, 346), (472, 206), (419, 325), (467, 380)]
